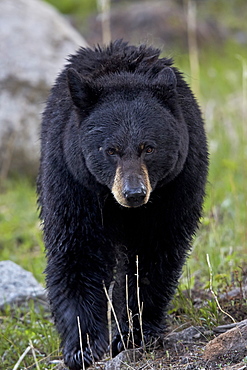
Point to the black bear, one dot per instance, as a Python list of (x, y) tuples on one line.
[(123, 170)]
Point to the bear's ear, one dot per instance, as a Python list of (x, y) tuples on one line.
[(165, 80), (81, 90)]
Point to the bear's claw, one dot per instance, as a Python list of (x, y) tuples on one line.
[(74, 360), (118, 345), (150, 342)]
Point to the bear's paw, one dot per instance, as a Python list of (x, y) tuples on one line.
[(74, 359)]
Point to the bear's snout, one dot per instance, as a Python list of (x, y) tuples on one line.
[(135, 197), (131, 187)]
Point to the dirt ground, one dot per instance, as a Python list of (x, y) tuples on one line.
[(187, 346)]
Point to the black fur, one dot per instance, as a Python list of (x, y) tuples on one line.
[(106, 110)]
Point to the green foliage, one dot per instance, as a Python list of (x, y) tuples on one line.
[(222, 235), (185, 311), (20, 234), (223, 81), (79, 7), (20, 328)]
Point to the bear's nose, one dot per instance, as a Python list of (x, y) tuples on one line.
[(135, 196)]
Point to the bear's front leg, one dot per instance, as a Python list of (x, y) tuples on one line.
[(156, 281), (75, 290)]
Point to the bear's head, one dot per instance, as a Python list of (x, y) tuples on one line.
[(131, 131)]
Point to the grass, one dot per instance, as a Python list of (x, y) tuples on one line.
[(222, 234), (223, 231), (22, 327), (20, 234), (83, 7)]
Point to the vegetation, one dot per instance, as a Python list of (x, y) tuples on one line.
[(223, 82), (81, 7), (222, 236), (20, 231)]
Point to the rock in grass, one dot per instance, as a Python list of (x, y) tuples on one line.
[(229, 346), (189, 335), (18, 286), (123, 360)]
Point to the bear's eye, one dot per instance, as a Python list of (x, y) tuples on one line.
[(111, 151), (149, 149)]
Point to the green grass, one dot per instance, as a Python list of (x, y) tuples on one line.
[(223, 228), (223, 231), (20, 233), (83, 7), (24, 327)]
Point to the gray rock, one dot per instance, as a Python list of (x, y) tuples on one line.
[(123, 360), (188, 335), (34, 42), (18, 285), (228, 346)]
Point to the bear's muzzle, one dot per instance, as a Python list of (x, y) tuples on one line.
[(131, 186)]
